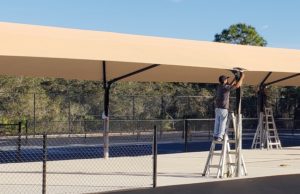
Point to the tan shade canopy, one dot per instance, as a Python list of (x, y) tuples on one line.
[(39, 51)]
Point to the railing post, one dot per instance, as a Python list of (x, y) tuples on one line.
[(154, 152), (44, 162)]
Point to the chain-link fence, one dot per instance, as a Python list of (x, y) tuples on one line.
[(58, 145), (73, 163)]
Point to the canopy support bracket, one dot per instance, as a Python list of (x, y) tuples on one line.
[(132, 73)]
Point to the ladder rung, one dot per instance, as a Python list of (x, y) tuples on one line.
[(214, 166), (232, 152), (217, 154), (218, 142), (231, 141), (275, 143), (231, 163)]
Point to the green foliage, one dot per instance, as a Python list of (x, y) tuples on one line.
[(241, 34)]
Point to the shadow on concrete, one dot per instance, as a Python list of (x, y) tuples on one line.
[(284, 184)]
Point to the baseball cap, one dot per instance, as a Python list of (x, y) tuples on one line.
[(222, 78)]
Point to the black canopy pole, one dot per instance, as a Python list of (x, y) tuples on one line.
[(106, 86), (105, 116), (237, 74), (261, 93)]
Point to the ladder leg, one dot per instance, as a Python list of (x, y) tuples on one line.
[(244, 166), (209, 159), (230, 161), (223, 158)]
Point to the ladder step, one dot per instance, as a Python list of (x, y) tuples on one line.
[(218, 142), (217, 154), (214, 166), (275, 143), (231, 163), (231, 141), (232, 152)]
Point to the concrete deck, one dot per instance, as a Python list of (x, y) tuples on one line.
[(99, 175), (187, 167)]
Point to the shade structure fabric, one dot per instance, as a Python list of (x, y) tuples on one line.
[(40, 51)]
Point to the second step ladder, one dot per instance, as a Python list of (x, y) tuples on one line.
[(266, 135)]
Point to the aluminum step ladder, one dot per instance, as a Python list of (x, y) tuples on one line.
[(266, 135), (222, 163)]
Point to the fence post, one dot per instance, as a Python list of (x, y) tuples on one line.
[(154, 152), (186, 129), (34, 114), (69, 115), (19, 142), (44, 162), (26, 131)]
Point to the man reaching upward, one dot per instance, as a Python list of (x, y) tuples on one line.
[(222, 104)]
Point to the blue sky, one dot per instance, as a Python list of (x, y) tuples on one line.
[(276, 20)]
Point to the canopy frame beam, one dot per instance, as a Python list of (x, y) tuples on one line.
[(132, 73), (282, 79)]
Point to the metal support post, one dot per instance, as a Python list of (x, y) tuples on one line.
[(105, 117), (239, 132), (237, 73), (34, 114), (133, 107), (19, 142), (154, 152), (186, 134), (26, 131), (44, 184), (69, 114)]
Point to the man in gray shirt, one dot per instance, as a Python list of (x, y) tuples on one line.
[(222, 104)]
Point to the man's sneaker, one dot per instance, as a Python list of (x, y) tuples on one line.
[(218, 139)]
